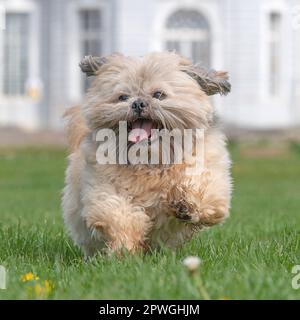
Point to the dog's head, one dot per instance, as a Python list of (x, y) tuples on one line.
[(159, 90)]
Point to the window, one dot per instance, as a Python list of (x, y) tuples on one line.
[(16, 54), (91, 36), (275, 24), (188, 33)]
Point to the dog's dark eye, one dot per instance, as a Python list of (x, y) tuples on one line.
[(159, 95), (123, 97)]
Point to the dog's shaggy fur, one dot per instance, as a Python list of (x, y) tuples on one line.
[(110, 207)]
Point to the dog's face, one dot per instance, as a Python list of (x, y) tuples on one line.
[(159, 90)]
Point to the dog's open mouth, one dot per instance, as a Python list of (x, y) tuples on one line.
[(140, 130)]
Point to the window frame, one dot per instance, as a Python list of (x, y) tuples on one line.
[(285, 70), (211, 11), (30, 8), (280, 42), (275, 42), (182, 35), (14, 84), (87, 36), (75, 92)]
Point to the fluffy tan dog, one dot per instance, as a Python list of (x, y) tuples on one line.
[(108, 207)]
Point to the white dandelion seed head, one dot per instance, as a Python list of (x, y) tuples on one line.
[(192, 263)]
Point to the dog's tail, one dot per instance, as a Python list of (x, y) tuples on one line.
[(75, 127)]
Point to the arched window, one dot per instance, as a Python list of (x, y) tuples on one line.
[(188, 33)]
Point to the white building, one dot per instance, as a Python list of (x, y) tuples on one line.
[(257, 41)]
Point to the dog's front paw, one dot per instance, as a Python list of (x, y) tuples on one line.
[(180, 204), (181, 209), (189, 206)]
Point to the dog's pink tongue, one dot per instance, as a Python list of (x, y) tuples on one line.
[(141, 130)]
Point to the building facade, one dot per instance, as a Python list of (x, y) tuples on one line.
[(258, 42)]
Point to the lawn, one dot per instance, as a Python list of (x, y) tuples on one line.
[(250, 256)]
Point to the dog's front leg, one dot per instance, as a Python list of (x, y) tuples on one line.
[(116, 221), (200, 206)]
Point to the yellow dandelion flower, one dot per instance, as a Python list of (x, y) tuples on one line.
[(37, 288), (29, 277), (40, 290), (48, 286)]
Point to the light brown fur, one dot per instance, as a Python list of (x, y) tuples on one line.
[(110, 207)]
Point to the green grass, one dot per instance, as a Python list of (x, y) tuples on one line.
[(250, 256)]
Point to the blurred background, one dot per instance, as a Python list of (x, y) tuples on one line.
[(42, 42)]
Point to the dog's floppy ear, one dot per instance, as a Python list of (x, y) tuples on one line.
[(210, 81), (90, 65)]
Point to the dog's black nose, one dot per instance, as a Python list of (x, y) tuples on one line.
[(138, 106)]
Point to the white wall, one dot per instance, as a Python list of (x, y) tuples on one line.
[(249, 104), (134, 26), (295, 20)]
